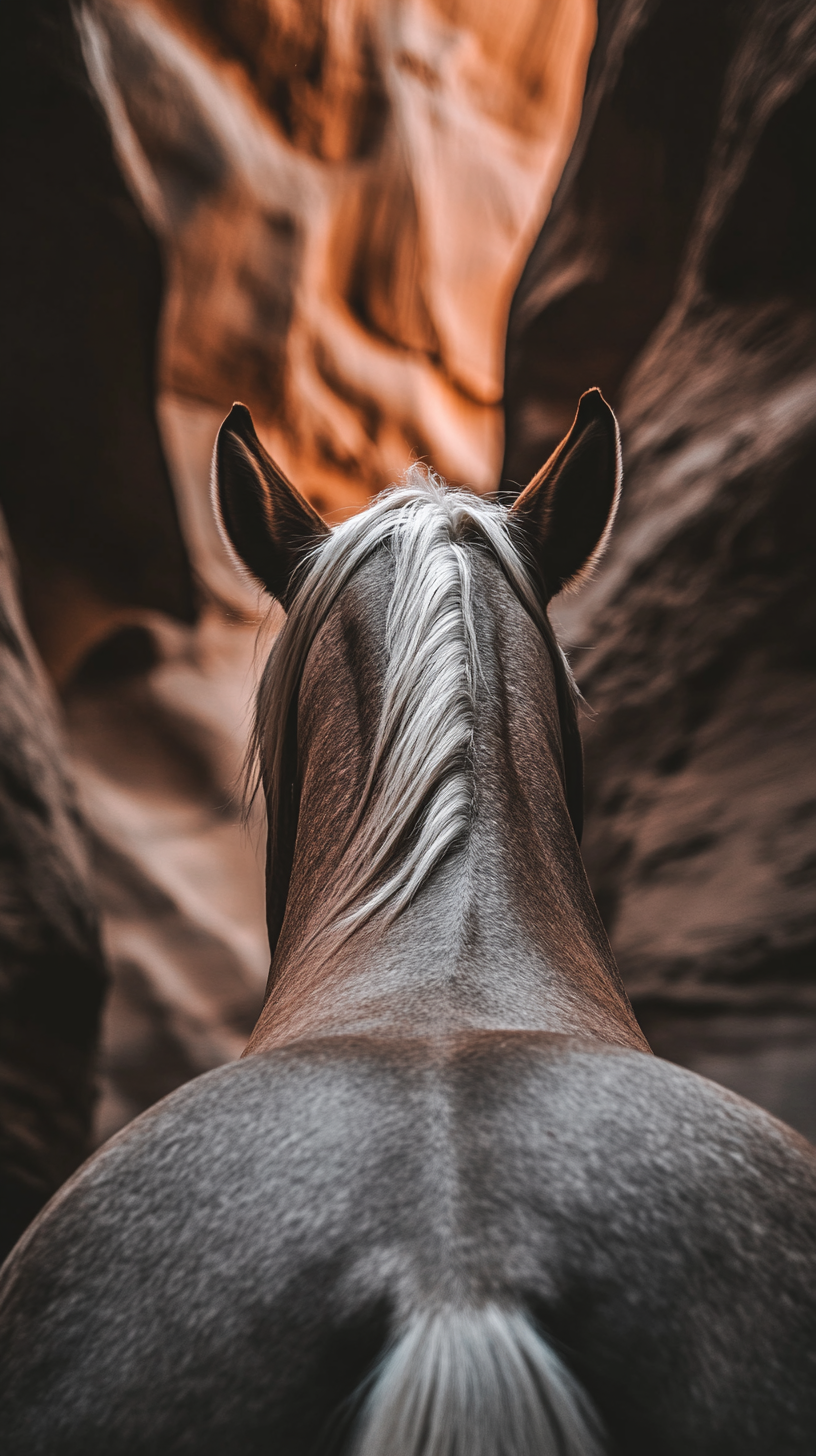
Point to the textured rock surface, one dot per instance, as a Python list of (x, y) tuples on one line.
[(157, 720), (85, 487), (156, 709), (157, 755), (678, 271), (346, 193), (51, 969)]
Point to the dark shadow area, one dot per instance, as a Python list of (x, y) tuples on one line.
[(677, 270), (603, 270), (766, 246), (86, 489)]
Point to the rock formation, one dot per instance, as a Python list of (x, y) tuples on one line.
[(157, 756), (97, 548), (85, 487), (677, 270), (346, 195), (52, 974)]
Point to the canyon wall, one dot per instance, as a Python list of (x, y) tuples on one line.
[(85, 486), (94, 541), (346, 195), (677, 270), (52, 973)]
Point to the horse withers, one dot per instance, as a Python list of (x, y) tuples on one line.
[(448, 1204)]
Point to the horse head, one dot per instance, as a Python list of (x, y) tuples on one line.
[(416, 708)]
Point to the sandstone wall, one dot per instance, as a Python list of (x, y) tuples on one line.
[(96, 543), (52, 975), (677, 269), (85, 485), (346, 194)]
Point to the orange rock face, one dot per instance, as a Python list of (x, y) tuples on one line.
[(346, 193)]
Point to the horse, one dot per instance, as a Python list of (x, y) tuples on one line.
[(448, 1203)]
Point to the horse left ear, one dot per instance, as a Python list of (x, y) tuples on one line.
[(265, 522), (568, 508)]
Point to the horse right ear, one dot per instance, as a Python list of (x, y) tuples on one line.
[(267, 525), (567, 510)]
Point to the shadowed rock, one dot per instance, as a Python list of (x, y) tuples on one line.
[(678, 271), (51, 968), (97, 540), (85, 487)]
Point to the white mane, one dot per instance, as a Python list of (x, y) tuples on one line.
[(420, 788)]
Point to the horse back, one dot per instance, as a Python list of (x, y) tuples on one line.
[(228, 1270)]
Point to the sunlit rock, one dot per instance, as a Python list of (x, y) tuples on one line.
[(346, 194)]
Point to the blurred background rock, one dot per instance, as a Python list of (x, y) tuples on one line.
[(677, 270), (324, 208)]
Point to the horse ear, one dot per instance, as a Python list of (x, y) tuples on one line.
[(265, 522), (568, 508)]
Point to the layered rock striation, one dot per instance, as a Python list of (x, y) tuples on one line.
[(85, 486), (52, 972), (345, 194), (677, 270)]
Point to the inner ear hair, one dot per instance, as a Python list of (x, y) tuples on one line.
[(567, 510)]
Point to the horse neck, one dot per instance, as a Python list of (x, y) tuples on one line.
[(505, 932)]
